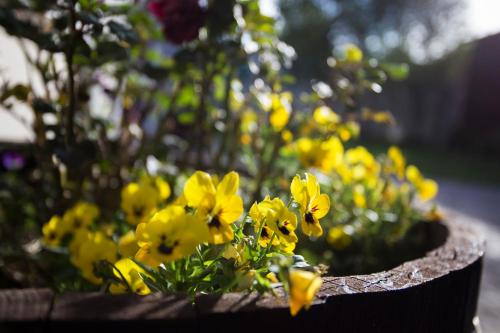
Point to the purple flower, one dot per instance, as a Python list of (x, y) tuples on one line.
[(181, 19), (13, 161)]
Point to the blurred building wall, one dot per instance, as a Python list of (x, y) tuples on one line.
[(453, 102)]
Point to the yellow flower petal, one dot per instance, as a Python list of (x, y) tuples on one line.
[(303, 288), (228, 186), (197, 187)]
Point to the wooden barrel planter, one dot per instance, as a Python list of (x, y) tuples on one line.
[(435, 293)]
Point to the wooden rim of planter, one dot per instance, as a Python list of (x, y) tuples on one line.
[(440, 288)]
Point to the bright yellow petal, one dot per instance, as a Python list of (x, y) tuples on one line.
[(228, 186), (231, 209), (321, 205), (197, 187), (299, 192), (312, 185), (311, 229), (428, 189)]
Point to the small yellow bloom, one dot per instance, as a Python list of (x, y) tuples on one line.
[(245, 139), (348, 130), (54, 231), (358, 196), (280, 110), (249, 122), (81, 215), (278, 221), (313, 204), (129, 270), (95, 248), (303, 288), (338, 238), (127, 244), (272, 277), (139, 201), (382, 117), (324, 116), (286, 136), (397, 160), (236, 252), (258, 215), (80, 237), (352, 53), (426, 188), (159, 184), (359, 166), (324, 155), (217, 203), (171, 234)]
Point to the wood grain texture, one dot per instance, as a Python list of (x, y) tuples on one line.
[(435, 293)]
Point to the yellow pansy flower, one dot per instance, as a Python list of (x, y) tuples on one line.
[(81, 215), (383, 117), (358, 196), (138, 201), (171, 234), (313, 204), (426, 188), (278, 221), (245, 139), (352, 53), (129, 270), (218, 203), (303, 288), (248, 122), (397, 161), (272, 277), (338, 238), (80, 237), (324, 116), (280, 110), (95, 248), (324, 155), (348, 130), (127, 244), (159, 184), (236, 252), (54, 231), (359, 166), (258, 215), (286, 136)]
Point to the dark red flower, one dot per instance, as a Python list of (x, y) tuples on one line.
[(181, 19)]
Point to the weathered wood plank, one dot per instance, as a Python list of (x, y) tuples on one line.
[(25, 304), (435, 293)]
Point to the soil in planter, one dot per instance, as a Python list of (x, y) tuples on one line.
[(375, 255)]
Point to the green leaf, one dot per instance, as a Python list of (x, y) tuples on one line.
[(186, 118), (122, 32), (397, 72)]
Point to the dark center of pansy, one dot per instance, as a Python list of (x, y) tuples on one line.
[(214, 223), (52, 236), (309, 218), (283, 228), (166, 249), (138, 211), (77, 223), (264, 233)]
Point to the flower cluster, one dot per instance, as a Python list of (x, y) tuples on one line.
[(196, 242)]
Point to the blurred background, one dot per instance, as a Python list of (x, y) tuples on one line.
[(447, 110)]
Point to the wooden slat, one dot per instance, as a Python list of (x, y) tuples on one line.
[(25, 304), (435, 293)]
